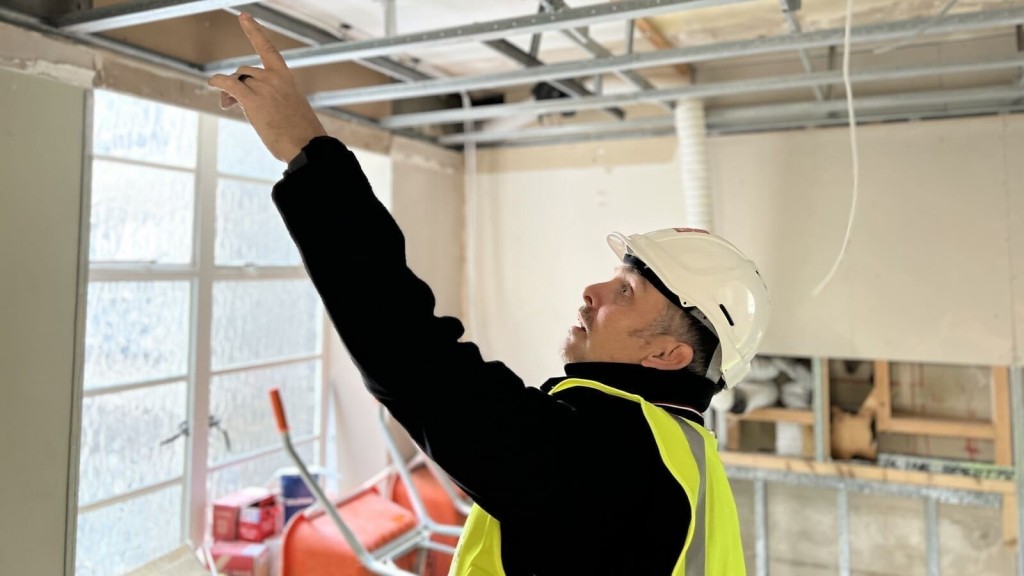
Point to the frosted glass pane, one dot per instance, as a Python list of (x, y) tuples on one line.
[(118, 538), (241, 402), (249, 228), (136, 331), (240, 152), (140, 214), (259, 472), (264, 320), (129, 127), (121, 434)]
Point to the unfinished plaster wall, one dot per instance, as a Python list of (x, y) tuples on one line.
[(41, 151)]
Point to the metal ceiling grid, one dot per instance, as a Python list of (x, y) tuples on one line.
[(380, 54)]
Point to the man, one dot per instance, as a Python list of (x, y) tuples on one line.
[(606, 471)]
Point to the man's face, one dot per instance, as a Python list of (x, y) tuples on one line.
[(614, 320)]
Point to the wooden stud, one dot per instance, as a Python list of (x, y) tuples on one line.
[(808, 440), (1001, 416), (735, 428), (881, 395), (650, 32), (658, 40), (1010, 531), (825, 389)]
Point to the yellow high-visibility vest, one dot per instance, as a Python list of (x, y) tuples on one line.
[(690, 453)]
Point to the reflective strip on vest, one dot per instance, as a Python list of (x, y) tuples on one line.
[(695, 555), (697, 469)]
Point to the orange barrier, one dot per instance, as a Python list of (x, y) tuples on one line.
[(440, 508), (315, 547)]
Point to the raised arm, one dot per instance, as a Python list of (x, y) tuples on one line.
[(499, 439)]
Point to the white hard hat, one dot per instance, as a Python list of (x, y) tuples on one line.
[(706, 273)]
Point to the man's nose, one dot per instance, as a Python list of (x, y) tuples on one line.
[(588, 296), (592, 295)]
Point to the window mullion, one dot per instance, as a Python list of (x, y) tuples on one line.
[(326, 391), (202, 321)]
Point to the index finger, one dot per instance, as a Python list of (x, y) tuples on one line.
[(271, 58)]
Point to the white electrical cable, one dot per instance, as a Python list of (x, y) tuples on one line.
[(853, 148)]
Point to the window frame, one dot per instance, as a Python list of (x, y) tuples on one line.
[(201, 273)]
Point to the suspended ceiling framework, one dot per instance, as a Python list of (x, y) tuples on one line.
[(504, 72)]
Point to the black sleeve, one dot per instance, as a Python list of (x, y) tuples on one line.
[(499, 439)]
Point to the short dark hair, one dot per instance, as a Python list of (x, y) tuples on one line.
[(684, 327)]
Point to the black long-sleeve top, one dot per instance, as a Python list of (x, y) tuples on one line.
[(574, 478)]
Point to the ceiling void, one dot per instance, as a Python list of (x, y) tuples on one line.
[(565, 69)]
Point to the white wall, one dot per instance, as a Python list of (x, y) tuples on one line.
[(41, 139), (928, 276)]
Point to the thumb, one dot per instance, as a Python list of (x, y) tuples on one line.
[(230, 88), (227, 101)]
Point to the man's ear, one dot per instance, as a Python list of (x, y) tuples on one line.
[(672, 356)]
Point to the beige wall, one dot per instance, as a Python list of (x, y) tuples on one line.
[(40, 214), (543, 214), (928, 276)]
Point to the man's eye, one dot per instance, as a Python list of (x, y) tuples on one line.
[(625, 290)]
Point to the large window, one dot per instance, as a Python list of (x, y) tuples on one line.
[(197, 304)]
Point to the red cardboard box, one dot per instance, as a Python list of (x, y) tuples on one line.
[(241, 558), (259, 522), (228, 511)]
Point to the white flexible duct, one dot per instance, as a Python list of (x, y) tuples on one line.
[(692, 134)]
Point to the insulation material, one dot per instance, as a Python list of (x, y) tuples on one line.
[(853, 436), (789, 439)]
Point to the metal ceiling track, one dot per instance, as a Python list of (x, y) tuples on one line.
[(82, 27), (710, 90), (481, 32), (687, 54), (800, 114)]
